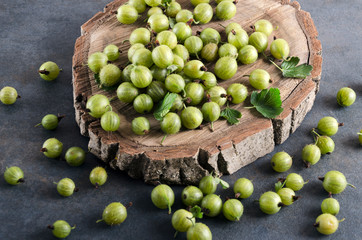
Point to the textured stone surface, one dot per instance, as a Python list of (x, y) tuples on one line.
[(36, 31)]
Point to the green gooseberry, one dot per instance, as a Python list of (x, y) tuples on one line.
[(140, 35), (112, 52), (182, 220), (193, 44), (325, 144), (218, 95), (171, 123), (126, 73), (140, 126), (327, 224), (233, 26), (211, 112), (360, 137), (97, 61), (295, 181), (8, 95), (97, 105), (172, 9), (346, 97), (226, 67), (182, 52), (167, 38), (228, 49), (334, 182), (191, 118), (208, 80), (210, 52), (110, 121), (330, 205), (178, 104), (194, 69), (184, 16), (248, 54), (182, 31), (158, 22), (153, 3), (142, 57), (114, 214), (175, 83), (75, 156), (191, 196), (127, 92), (50, 121), (140, 5), (109, 75), (98, 176), (141, 76), (311, 154), (179, 63), (143, 103), (158, 74), (52, 148), (233, 209), (163, 197), (270, 202), (198, 2), (264, 26), (154, 10), (328, 126), (208, 185), (212, 204), (281, 162), (288, 196), (49, 71), (203, 13), (127, 14), (243, 188), (194, 92), (61, 229), (259, 40), (237, 92), (279, 48), (238, 38), (162, 56), (156, 90), (14, 175), (259, 79), (133, 49), (66, 187), (225, 10), (199, 231)]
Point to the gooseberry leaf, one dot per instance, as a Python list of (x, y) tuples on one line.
[(267, 102), (164, 107), (231, 115), (172, 21), (197, 212), (98, 81), (279, 185), (291, 70)]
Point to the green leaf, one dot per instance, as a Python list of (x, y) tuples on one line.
[(172, 21), (291, 70), (231, 115), (98, 81), (224, 184), (279, 185), (164, 107), (196, 212), (267, 102)]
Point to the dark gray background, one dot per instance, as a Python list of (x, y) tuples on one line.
[(34, 31)]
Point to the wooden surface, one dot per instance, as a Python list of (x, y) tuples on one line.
[(189, 155)]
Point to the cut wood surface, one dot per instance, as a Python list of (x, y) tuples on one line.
[(186, 157)]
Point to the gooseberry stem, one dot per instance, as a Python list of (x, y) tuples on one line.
[(21, 180), (249, 107), (100, 220), (37, 125), (163, 139), (212, 126), (276, 65), (313, 131), (341, 220), (175, 235), (44, 71), (359, 134), (353, 186), (222, 25), (74, 226), (245, 75), (50, 227)]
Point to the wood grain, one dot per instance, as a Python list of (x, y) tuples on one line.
[(189, 155)]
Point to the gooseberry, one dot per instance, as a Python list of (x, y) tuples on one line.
[(140, 5), (126, 73), (109, 75), (212, 205), (226, 67), (243, 188), (191, 196), (194, 69), (191, 118), (162, 56), (98, 176), (259, 79), (181, 51), (158, 74), (172, 9), (8, 95), (163, 197), (263, 26), (50, 121), (237, 92), (126, 92), (259, 40), (270, 202), (49, 71), (184, 16), (210, 52), (141, 76), (97, 61), (228, 49), (153, 3), (311, 154), (295, 181), (225, 10), (346, 97), (210, 112), (170, 124), (61, 229), (330, 205), (218, 95), (158, 22), (167, 38), (182, 220), (133, 49), (199, 231), (75, 156), (279, 48), (127, 14), (203, 13), (182, 31), (97, 105), (334, 182), (112, 52), (178, 104), (325, 144), (208, 80), (114, 214), (281, 162), (154, 10), (328, 126), (198, 2), (52, 148), (210, 35), (233, 26), (66, 187), (175, 83), (238, 38), (233, 209), (142, 57), (140, 125), (288, 196), (248, 54), (143, 103), (194, 92), (326, 224), (193, 45), (178, 62), (110, 121), (14, 175), (156, 90)]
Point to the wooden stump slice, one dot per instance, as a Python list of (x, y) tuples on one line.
[(186, 157)]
